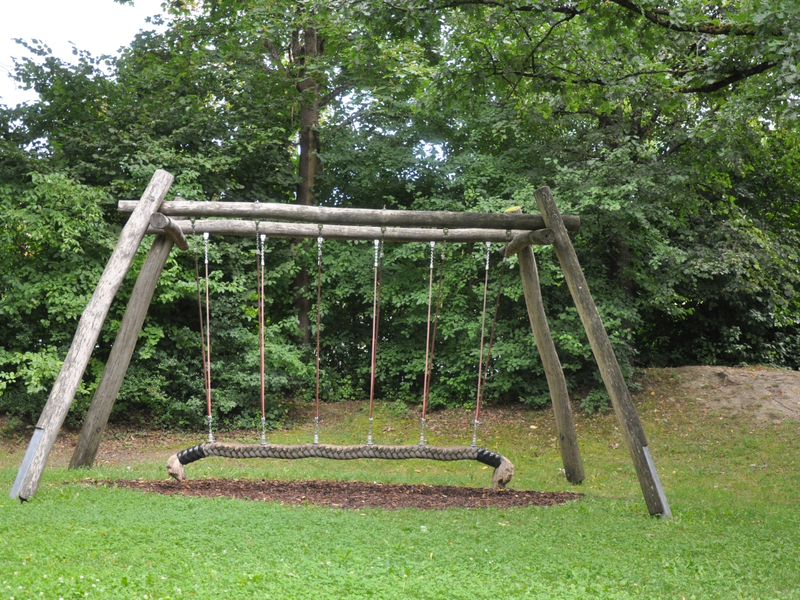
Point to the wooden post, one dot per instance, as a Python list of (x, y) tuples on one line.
[(121, 352), (63, 393), (606, 359), (568, 439)]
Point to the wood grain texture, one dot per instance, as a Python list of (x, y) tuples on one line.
[(539, 237), (121, 352), (621, 400), (89, 326), (565, 423), (169, 228), (351, 216), (342, 232)]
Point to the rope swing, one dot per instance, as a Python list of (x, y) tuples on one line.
[(376, 308), (260, 300), (483, 366), (503, 469)]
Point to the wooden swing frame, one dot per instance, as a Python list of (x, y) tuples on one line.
[(171, 221)]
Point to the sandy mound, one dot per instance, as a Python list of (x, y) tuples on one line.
[(770, 394)]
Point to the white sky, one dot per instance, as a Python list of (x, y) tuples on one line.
[(99, 26)]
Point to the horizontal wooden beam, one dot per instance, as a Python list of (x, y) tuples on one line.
[(341, 232), (352, 216)]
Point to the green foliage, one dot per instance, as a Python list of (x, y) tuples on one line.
[(53, 248), (596, 401), (671, 131), (165, 380)]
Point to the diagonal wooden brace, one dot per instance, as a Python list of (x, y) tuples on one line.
[(66, 385), (121, 352), (603, 352)]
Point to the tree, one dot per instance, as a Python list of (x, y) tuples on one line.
[(323, 50), (671, 129)]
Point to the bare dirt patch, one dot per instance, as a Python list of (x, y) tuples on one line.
[(350, 494), (766, 393)]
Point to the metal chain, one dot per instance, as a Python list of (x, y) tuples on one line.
[(478, 395), (482, 388), (319, 311), (427, 351), (379, 254), (206, 384), (377, 244), (208, 346), (260, 239)]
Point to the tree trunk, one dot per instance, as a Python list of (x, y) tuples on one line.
[(621, 270), (308, 164)]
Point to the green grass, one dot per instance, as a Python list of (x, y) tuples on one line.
[(732, 485)]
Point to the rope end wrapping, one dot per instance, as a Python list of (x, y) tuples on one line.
[(175, 468), (502, 474)]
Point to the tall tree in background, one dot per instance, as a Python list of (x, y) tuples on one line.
[(322, 50), (671, 128)]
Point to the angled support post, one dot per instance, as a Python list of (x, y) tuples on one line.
[(568, 439), (121, 352), (603, 352), (66, 385)]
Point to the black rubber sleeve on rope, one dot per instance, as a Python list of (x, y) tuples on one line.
[(487, 457), (191, 454)]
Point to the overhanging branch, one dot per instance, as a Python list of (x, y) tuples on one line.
[(733, 78), (659, 17)]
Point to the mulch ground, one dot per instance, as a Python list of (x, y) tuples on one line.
[(350, 494)]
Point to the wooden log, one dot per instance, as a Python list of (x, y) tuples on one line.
[(344, 232), (621, 399), (170, 229), (351, 216), (121, 352), (556, 382), (538, 237), (66, 385)]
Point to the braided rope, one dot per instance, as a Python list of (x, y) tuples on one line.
[(329, 451), (504, 470)]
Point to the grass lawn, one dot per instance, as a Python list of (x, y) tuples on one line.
[(732, 484)]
